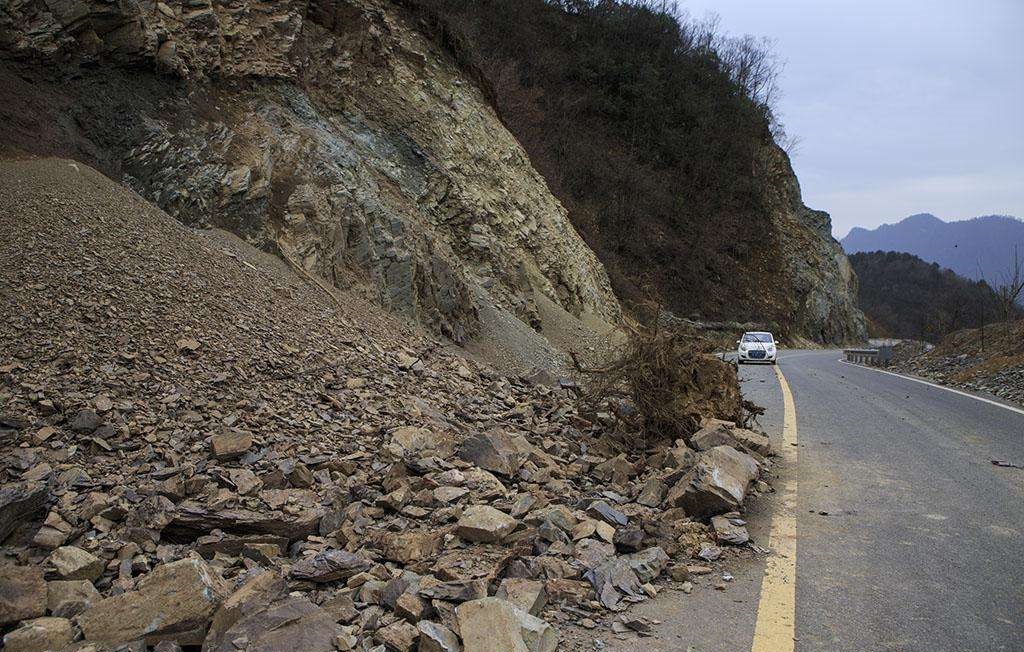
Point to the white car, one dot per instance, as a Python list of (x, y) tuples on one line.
[(756, 347)]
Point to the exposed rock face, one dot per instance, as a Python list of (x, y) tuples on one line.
[(820, 283), (358, 151)]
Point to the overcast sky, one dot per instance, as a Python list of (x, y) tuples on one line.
[(901, 107)]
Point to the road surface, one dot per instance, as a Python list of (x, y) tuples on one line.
[(907, 536)]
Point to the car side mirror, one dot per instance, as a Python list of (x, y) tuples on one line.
[(776, 342), (737, 341)]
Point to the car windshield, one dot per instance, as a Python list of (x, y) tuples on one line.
[(758, 337)]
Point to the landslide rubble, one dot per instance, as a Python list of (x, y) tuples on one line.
[(328, 132), (201, 447)]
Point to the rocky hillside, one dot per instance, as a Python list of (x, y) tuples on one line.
[(330, 133), (202, 447), (358, 142), (658, 135), (985, 359), (905, 297)]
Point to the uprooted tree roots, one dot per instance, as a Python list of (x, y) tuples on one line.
[(662, 382)]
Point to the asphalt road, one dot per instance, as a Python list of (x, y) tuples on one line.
[(908, 537), (922, 547)]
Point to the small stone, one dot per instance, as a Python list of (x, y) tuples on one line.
[(728, 531), (484, 524), (328, 566), (231, 444), (85, 421), (399, 636)]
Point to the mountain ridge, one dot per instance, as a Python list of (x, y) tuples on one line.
[(977, 248)]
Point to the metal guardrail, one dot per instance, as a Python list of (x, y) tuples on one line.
[(880, 357)]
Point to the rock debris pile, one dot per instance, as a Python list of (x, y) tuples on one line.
[(202, 449)]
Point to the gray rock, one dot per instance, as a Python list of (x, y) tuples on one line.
[(85, 421), (730, 530), (717, 483), (612, 580), (648, 564), (602, 510), (435, 637), (495, 451)]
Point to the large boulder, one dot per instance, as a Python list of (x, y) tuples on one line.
[(491, 624), (174, 602), (22, 593), (717, 483), (484, 524)]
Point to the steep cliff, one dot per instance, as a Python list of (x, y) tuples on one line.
[(659, 137), (329, 132)]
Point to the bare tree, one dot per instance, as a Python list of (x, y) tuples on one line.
[(1011, 287)]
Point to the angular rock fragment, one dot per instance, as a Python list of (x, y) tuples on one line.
[(435, 637), (528, 595), (174, 602), (290, 623), (730, 530), (85, 421), (717, 483), (484, 524), (725, 433), (491, 624), (69, 598), (328, 566), (22, 593), (412, 546), (20, 502), (231, 444), (602, 510), (495, 450), (612, 580), (40, 635), (648, 564), (456, 591), (192, 520), (399, 636), (71, 563)]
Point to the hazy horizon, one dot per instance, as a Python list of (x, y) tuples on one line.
[(899, 108)]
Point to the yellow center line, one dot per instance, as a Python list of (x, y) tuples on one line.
[(776, 612)]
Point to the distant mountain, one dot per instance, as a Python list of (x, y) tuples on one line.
[(904, 296), (978, 248)]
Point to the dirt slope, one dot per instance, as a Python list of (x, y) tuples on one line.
[(189, 415)]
